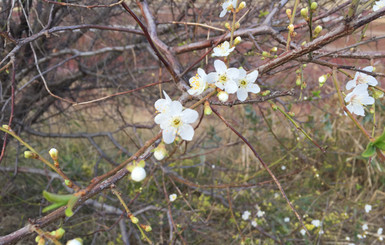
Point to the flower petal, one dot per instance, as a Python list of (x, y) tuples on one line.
[(231, 87), (241, 73), (233, 73), (189, 116), (212, 77), (251, 77), (367, 100), (242, 94), (175, 108), (254, 88), (168, 135), (351, 84), (220, 66), (186, 132)]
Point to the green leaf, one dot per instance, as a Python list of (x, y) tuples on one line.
[(380, 145), (370, 150), (381, 138), (54, 206), (56, 198), (71, 203)]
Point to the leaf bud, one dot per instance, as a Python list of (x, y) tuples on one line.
[(288, 13), (304, 13), (134, 220), (290, 27), (266, 93), (313, 6), (30, 154), (227, 25), (317, 30), (207, 108), (273, 49)]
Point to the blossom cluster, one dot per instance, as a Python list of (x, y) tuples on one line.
[(379, 5), (360, 95), (230, 80)]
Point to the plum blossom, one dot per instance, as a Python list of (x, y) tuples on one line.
[(368, 208), (379, 5), (260, 213), (254, 223), (172, 197), (227, 6), (223, 50), (303, 232), (365, 227), (246, 215), (357, 98), (76, 241), (176, 121), (224, 78), (198, 83), (316, 223), (362, 78), (246, 84), (286, 219)]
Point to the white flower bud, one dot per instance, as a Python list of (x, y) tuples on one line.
[(138, 174), (53, 153), (223, 96), (160, 152), (76, 241)]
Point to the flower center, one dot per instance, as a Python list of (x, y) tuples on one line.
[(243, 83), (223, 78), (176, 122)]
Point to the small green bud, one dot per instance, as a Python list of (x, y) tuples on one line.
[(298, 81), (227, 25), (237, 25), (265, 54), (304, 65), (68, 182), (37, 238), (59, 233), (313, 6), (266, 93), (377, 94), (292, 114), (134, 220), (7, 127), (371, 110), (274, 107), (317, 30), (273, 49), (207, 108), (304, 13), (30, 154), (303, 43), (288, 13)]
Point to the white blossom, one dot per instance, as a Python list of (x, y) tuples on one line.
[(316, 223), (357, 98), (227, 6), (246, 215), (224, 78), (176, 121), (254, 223), (365, 227), (223, 50), (379, 231), (303, 232), (246, 84), (260, 213), (198, 83), (162, 106), (283, 167), (138, 174), (172, 197), (368, 208), (362, 78), (379, 5), (286, 219)]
